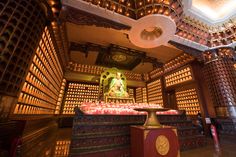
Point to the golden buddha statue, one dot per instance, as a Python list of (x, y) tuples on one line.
[(117, 87)]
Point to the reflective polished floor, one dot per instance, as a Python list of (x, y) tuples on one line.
[(227, 147)]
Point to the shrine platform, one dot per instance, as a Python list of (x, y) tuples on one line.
[(105, 132)]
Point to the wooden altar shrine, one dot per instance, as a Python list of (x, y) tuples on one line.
[(109, 135)]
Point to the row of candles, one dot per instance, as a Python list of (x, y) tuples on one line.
[(140, 94), (78, 93), (171, 65), (41, 90), (81, 86), (178, 77), (155, 92), (25, 109), (62, 148), (119, 108), (97, 70), (188, 100)]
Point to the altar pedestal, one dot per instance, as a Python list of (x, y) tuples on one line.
[(154, 142)]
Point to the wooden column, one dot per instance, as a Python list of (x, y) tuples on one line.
[(220, 74)]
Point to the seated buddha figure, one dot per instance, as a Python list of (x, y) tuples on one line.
[(117, 87)]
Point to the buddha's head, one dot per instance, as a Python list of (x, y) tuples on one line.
[(118, 75)]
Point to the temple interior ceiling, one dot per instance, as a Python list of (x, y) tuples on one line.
[(213, 10), (105, 37), (216, 5), (90, 23)]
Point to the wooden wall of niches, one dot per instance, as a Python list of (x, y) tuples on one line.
[(186, 84)]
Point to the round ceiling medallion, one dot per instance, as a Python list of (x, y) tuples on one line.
[(152, 31)]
